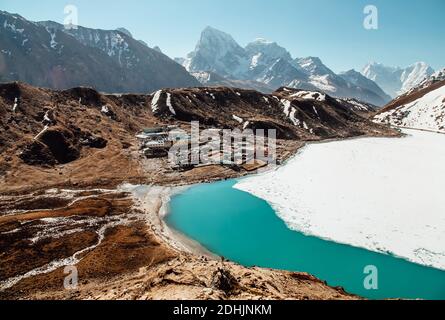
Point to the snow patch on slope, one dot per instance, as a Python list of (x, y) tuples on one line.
[(12, 27), (309, 95), (155, 101), (237, 119), (322, 83), (169, 104), (289, 112), (427, 113)]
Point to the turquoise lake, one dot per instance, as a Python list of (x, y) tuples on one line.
[(246, 230)]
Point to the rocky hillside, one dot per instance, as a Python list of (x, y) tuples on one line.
[(295, 114), (266, 62), (76, 128), (48, 55), (421, 108), (71, 136)]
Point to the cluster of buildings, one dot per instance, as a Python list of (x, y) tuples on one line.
[(157, 142)]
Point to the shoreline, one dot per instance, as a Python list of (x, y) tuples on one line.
[(182, 242), (154, 201), (151, 203)]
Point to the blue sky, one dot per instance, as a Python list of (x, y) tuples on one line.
[(409, 30)]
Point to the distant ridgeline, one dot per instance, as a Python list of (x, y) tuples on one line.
[(46, 54)]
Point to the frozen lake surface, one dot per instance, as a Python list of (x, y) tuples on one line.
[(382, 194)]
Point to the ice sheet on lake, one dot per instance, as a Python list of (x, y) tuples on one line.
[(383, 194)]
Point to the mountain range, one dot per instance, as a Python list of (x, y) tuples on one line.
[(47, 54), (268, 63), (395, 80), (218, 55)]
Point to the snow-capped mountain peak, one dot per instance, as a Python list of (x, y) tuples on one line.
[(437, 76), (372, 69), (353, 76), (262, 55), (218, 52), (266, 62), (395, 80), (280, 72), (268, 49), (357, 79), (125, 31), (415, 74), (214, 39), (313, 66)]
